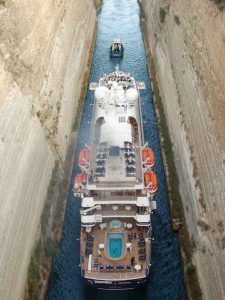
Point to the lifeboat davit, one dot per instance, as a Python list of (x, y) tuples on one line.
[(148, 157), (83, 159), (79, 181), (151, 182)]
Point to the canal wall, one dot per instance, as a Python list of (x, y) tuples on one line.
[(44, 53), (186, 41)]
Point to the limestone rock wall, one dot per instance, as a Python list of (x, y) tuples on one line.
[(189, 49), (44, 49)]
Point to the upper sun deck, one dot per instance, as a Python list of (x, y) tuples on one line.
[(117, 135), (123, 79)]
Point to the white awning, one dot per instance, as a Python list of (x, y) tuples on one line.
[(89, 262), (88, 220), (88, 202), (129, 245), (129, 225), (101, 246), (115, 134), (143, 218), (142, 201), (137, 267)]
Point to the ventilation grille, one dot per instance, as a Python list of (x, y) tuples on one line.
[(122, 119)]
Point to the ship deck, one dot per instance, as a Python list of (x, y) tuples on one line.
[(97, 269), (115, 167), (123, 170), (113, 275)]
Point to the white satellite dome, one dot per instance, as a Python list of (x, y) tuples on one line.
[(101, 93), (131, 95)]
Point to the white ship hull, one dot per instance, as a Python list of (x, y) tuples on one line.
[(116, 186)]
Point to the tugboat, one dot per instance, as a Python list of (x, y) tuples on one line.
[(116, 186), (116, 49)]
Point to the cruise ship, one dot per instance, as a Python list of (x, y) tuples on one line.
[(116, 185)]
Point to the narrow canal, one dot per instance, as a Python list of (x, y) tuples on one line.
[(120, 18)]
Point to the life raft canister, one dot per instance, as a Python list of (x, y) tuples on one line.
[(151, 182), (83, 159), (148, 154), (80, 179)]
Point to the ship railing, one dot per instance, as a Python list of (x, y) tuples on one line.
[(141, 131), (115, 198), (115, 274), (118, 213), (117, 184)]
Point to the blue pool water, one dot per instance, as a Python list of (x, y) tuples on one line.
[(121, 18), (115, 245)]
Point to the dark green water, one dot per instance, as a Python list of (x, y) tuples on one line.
[(120, 18)]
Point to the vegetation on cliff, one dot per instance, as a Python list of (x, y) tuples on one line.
[(162, 14), (47, 244), (220, 3)]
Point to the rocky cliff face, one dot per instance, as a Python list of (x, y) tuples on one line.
[(187, 40), (44, 48)]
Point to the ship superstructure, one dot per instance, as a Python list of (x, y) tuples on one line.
[(116, 186)]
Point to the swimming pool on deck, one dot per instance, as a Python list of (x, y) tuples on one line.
[(115, 245)]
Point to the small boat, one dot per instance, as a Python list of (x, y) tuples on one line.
[(148, 157), (151, 182), (79, 183), (116, 49), (83, 159)]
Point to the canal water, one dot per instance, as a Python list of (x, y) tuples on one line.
[(121, 18)]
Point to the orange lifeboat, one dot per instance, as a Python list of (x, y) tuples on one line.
[(151, 182), (148, 156), (83, 159), (80, 179)]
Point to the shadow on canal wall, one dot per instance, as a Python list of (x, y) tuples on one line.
[(52, 217)]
